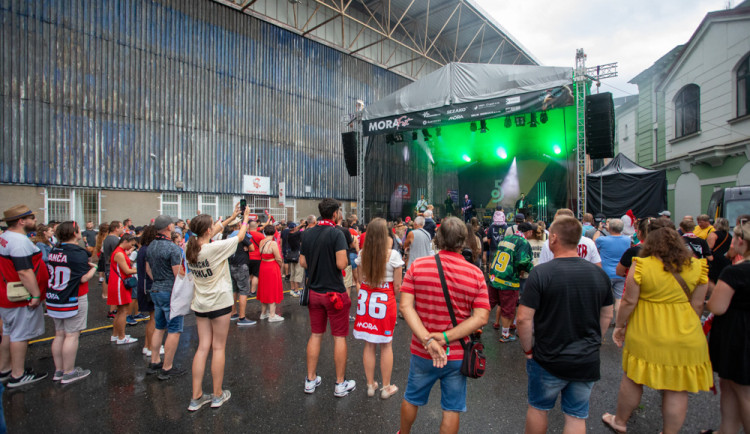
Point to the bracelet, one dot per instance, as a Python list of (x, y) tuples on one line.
[(35, 298), (528, 353), (446, 338), (244, 223), (428, 342)]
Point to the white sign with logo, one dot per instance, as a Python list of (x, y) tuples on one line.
[(256, 184), (282, 193)]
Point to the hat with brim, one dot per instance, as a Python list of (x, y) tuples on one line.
[(17, 212)]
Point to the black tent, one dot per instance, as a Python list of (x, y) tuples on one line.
[(622, 185)]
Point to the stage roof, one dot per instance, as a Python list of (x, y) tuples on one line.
[(409, 37), (458, 83)]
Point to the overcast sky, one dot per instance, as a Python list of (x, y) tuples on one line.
[(634, 33)]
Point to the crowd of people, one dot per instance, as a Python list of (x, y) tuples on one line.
[(558, 290)]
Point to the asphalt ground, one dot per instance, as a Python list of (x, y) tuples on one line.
[(265, 370)]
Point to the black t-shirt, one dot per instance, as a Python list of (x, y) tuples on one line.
[(294, 241), (627, 258), (90, 237), (567, 295), (285, 238), (738, 277), (70, 263), (241, 255), (495, 234), (319, 247), (348, 238), (698, 246)]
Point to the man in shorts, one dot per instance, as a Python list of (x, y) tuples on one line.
[(323, 254), (296, 272), (255, 236), (566, 308), (425, 310), (20, 264), (239, 270)]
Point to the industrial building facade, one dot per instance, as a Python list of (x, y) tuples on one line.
[(130, 108)]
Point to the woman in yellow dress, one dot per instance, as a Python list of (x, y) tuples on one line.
[(665, 348)]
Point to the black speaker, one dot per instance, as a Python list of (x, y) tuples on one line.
[(349, 140), (600, 125)]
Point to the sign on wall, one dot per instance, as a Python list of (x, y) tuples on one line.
[(282, 193), (256, 184)]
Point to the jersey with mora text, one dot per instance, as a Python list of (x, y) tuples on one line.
[(513, 255), (67, 264)]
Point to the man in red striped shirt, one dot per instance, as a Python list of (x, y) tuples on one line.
[(435, 346)]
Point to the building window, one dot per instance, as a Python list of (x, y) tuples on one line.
[(743, 90), (64, 204), (687, 110), (187, 205)]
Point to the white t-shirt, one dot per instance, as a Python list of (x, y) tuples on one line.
[(213, 285), (394, 261), (586, 250)]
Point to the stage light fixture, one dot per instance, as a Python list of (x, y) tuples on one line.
[(532, 124), (466, 158), (438, 131), (502, 153), (426, 134), (483, 126), (508, 122), (414, 136), (473, 127), (520, 121), (557, 149), (543, 117)]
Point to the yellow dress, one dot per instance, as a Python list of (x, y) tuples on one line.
[(665, 347)]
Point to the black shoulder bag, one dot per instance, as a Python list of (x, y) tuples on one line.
[(474, 361), (304, 299)]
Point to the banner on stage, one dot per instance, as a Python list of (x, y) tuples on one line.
[(466, 112), (282, 193), (404, 190), (256, 185)]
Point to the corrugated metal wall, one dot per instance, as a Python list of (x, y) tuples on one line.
[(89, 89)]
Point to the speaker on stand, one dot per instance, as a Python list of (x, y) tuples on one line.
[(600, 125), (349, 141)]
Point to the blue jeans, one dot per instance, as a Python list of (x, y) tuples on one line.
[(162, 301), (3, 427), (422, 376), (352, 257), (544, 387)]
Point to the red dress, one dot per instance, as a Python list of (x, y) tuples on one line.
[(117, 293), (270, 289)]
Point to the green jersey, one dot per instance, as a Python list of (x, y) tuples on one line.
[(513, 255)]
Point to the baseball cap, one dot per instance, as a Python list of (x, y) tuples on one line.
[(291, 225), (520, 217), (523, 227), (665, 213), (162, 222)]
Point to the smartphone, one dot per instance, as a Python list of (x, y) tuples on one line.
[(243, 205)]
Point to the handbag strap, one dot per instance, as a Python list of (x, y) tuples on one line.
[(726, 237), (683, 284), (445, 290)]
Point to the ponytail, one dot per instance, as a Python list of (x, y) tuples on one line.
[(192, 250), (199, 225)]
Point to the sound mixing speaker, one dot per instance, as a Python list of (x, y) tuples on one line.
[(600, 125), (349, 140)]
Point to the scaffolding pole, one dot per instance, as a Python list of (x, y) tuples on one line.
[(361, 152), (580, 84)]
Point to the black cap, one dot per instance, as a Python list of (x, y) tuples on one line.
[(524, 227), (520, 217)]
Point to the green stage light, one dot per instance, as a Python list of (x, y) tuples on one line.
[(557, 149), (466, 158), (502, 153)]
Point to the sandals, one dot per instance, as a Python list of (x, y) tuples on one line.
[(609, 421), (388, 391), (371, 388)]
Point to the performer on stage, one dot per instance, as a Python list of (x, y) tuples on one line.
[(421, 205), (521, 204), (468, 209), (448, 205)]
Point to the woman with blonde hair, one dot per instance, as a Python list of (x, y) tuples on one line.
[(664, 345), (381, 268)]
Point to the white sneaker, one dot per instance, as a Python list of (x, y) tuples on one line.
[(311, 385), (161, 350), (276, 318), (264, 316), (115, 338), (343, 388), (127, 340), (146, 352)]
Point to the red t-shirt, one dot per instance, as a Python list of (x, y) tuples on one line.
[(466, 286), (257, 238), (17, 252), (362, 241)]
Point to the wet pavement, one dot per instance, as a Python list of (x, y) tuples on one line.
[(265, 371)]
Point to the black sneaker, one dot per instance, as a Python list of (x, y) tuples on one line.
[(28, 377), (172, 373), (154, 368)]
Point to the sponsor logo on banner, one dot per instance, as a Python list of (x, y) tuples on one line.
[(436, 121), (256, 184), (456, 117), (429, 115), (401, 121), (513, 100), (458, 110), (405, 190)]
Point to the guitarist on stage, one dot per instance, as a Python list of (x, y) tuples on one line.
[(521, 204), (468, 209)]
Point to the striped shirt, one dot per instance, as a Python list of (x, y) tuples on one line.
[(467, 289)]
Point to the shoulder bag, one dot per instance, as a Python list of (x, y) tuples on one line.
[(183, 291), (474, 362), (16, 292)]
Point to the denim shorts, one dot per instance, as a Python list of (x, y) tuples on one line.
[(544, 387), (352, 257), (422, 376), (618, 285), (161, 301)]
